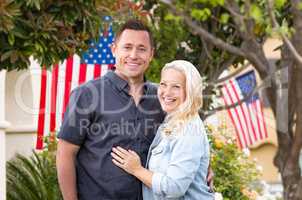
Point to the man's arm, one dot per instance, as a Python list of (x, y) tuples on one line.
[(66, 155)]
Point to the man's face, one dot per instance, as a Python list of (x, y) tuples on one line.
[(133, 53)]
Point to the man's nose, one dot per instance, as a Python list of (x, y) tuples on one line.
[(133, 53)]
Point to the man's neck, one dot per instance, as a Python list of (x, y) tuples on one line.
[(136, 90), (136, 85)]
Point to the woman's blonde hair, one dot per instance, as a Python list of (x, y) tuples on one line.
[(193, 101)]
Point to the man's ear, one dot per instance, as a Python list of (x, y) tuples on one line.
[(152, 54), (113, 48)]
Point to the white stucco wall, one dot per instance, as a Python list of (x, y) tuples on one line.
[(19, 104), (3, 126), (2, 163), (22, 106), (19, 98), (22, 143)]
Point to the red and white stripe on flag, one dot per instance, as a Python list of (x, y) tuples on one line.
[(56, 86), (247, 117)]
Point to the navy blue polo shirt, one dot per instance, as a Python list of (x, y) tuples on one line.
[(101, 114)]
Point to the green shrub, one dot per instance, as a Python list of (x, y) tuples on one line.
[(234, 171), (33, 178)]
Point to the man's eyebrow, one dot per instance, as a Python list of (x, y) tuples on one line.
[(129, 44), (141, 45)]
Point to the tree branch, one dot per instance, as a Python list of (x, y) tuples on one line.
[(223, 66), (232, 74), (205, 47), (234, 11), (275, 24), (203, 33)]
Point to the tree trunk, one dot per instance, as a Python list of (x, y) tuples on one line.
[(284, 91), (290, 137), (287, 114)]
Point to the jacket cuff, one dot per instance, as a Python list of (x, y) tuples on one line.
[(156, 180)]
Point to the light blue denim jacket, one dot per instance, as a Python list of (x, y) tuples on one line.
[(180, 164)]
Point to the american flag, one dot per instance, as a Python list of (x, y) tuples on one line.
[(57, 84), (247, 118)]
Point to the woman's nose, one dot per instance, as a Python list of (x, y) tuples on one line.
[(167, 91)]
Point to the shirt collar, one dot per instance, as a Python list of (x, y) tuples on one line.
[(122, 84)]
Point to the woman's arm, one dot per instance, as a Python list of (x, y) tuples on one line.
[(188, 150), (183, 166)]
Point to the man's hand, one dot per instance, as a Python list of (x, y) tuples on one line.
[(210, 179)]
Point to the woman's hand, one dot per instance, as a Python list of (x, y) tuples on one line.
[(128, 160)]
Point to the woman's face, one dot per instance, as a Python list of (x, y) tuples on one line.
[(172, 89)]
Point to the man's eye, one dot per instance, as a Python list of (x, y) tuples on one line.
[(142, 49), (127, 47)]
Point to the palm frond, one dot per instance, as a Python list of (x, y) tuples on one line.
[(32, 178)]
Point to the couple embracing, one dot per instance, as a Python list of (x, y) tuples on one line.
[(124, 138)]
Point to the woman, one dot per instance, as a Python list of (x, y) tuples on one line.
[(178, 157)]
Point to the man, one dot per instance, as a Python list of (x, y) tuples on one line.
[(120, 108)]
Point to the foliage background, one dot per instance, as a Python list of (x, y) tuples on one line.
[(49, 30)]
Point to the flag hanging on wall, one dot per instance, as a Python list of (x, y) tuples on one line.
[(57, 84), (247, 117)]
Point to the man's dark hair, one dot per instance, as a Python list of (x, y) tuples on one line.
[(134, 24)]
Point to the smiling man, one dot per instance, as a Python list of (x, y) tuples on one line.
[(119, 109)]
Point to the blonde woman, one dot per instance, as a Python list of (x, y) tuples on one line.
[(178, 157)]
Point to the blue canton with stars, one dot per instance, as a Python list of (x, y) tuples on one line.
[(247, 84), (99, 51)]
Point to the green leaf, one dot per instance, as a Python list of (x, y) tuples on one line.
[(37, 4), (215, 3), (284, 28), (224, 18), (256, 13), (169, 17), (201, 1), (19, 33), (220, 2), (202, 14), (11, 39), (33, 4), (6, 55), (280, 3), (300, 6), (38, 47), (268, 29)]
